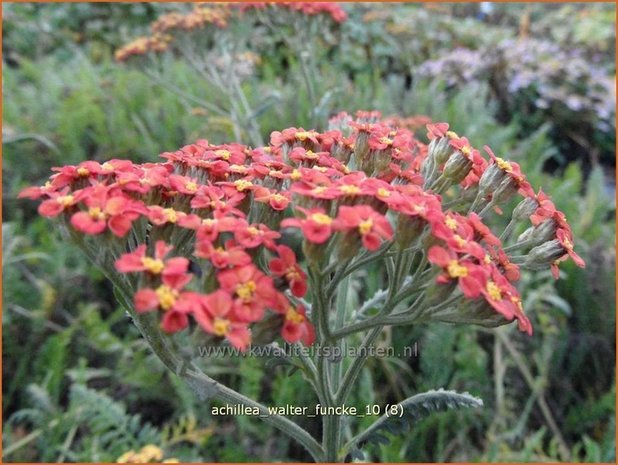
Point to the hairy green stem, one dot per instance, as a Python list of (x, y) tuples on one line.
[(340, 317), (370, 258), (205, 387), (223, 393), (357, 365)]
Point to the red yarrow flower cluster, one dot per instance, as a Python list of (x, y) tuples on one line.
[(208, 230), (213, 18), (331, 9)]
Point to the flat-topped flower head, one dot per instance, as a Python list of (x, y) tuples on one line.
[(356, 190)]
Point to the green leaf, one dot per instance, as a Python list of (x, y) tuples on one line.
[(411, 410)]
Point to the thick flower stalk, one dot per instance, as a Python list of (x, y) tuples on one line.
[(237, 242)]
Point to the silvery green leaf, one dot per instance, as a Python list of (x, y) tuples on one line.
[(413, 409)]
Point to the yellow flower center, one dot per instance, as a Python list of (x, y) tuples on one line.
[(152, 265), (349, 189), (365, 226), (225, 154), (242, 184), (292, 274), (494, 291), (386, 140), (170, 215), (167, 296), (466, 150), (246, 290), (318, 190), (460, 240), (107, 166), (253, 230), (455, 270), (278, 197), (503, 164), (83, 171), (65, 200), (487, 259), (221, 326), (567, 244), (208, 222), (452, 135), (295, 175), (304, 135), (321, 218), (293, 316), (383, 192), (451, 223), (191, 186), (311, 154), (239, 168), (96, 213)]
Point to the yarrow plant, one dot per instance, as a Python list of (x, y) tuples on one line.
[(222, 44), (242, 246)]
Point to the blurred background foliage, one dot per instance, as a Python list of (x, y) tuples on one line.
[(534, 81)]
